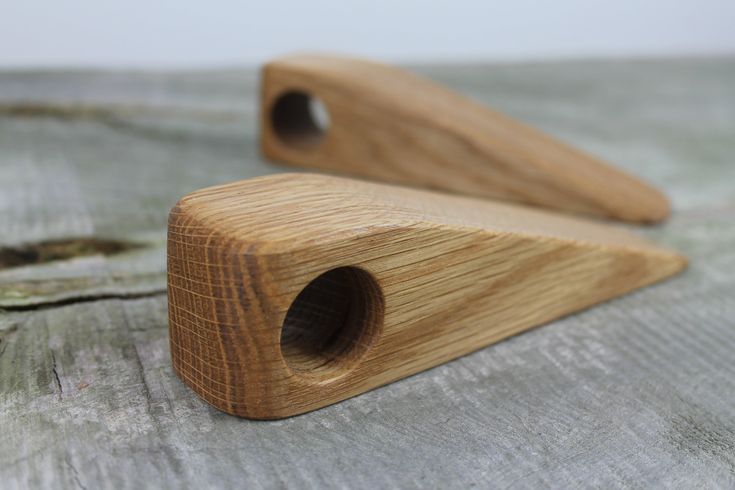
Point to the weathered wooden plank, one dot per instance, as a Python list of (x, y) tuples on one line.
[(639, 392)]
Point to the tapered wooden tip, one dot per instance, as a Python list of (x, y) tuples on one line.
[(291, 292), (390, 125)]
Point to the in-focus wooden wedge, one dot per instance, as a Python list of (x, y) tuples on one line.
[(291, 292), (390, 125)]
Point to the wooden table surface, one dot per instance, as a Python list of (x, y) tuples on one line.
[(638, 392)]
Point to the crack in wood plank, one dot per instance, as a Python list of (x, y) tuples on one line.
[(74, 473), (55, 372), (129, 118), (82, 299), (104, 113), (53, 250)]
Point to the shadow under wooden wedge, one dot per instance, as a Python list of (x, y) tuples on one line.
[(390, 125), (291, 292)]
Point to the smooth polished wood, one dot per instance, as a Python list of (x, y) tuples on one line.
[(390, 125), (291, 292)]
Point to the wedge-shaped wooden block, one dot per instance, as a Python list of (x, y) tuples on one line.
[(390, 125), (291, 292)]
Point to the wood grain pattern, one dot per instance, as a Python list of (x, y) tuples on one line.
[(288, 293), (393, 126)]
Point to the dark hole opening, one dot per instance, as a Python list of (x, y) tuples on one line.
[(299, 119), (332, 322)]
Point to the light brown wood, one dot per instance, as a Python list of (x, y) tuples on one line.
[(291, 292), (390, 125)]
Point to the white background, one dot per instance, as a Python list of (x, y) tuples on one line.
[(183, 34)]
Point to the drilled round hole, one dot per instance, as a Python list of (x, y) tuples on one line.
[(299, 119), (332, 323)]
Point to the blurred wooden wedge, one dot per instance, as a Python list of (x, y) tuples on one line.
[(390, 125)]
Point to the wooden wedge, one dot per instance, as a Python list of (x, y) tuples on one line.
[(390, 125), (291, 292)]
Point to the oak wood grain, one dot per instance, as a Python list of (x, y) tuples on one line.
[(291, 292), (388, 124)]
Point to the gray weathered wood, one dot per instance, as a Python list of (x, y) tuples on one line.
[(638, 392)]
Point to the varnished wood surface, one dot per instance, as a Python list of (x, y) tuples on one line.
[(634, 393), (389, 124), (439, 276)]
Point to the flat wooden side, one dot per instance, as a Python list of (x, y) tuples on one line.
[(221, 344)]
